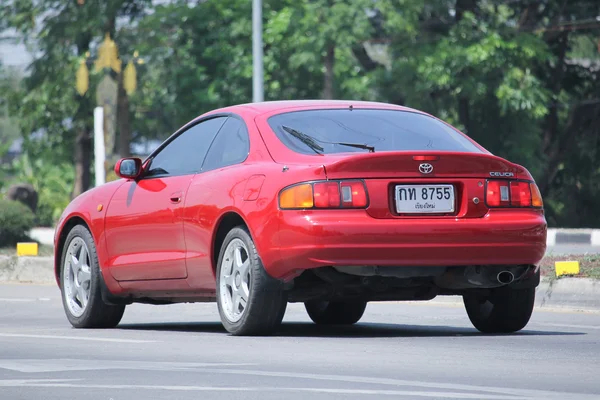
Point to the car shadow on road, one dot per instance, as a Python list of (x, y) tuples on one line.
[(205, 327), (360, 330)]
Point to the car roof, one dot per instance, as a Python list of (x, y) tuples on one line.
[(281, 105)]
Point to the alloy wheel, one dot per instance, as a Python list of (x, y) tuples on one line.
[(235, 280), (77, 277)]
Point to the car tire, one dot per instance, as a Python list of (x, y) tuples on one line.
[(250, 301), (80, 284), (506, 310), (335, 312)]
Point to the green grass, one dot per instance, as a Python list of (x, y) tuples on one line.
[(43, 251), (589, 264)]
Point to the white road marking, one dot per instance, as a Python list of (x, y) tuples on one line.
[(16, 300), (398, 382), (23, 300), (374, 392), (84, 338), (568, 325), (65, 364), (428, 388), (23, 382), (567, 310)]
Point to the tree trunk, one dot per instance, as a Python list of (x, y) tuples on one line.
[(464, 114), (328, 82), (123, 121), (463, 6), (554, 139), (82, 149), (82, 162)]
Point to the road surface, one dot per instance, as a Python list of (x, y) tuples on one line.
[(398, 351)]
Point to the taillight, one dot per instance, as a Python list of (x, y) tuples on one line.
[(354, 194), (299, 196), (505, 193), (520, 194), (497, 194), (536, 196), (326, 194)]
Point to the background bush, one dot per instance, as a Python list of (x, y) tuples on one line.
[(16, 220), (53, 183)]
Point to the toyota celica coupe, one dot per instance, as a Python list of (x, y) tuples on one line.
[(330, 203)]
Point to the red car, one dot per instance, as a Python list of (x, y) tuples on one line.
[(329, 203)]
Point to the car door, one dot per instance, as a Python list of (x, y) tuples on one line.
[(211, 191), (144, 220)]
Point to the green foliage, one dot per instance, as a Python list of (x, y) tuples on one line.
[(53, 183), (43, 163), (16, 220), (57, 122), (3, 169), (511, 74), (9, 80), (9, 130), (197, 63), (44, 110)]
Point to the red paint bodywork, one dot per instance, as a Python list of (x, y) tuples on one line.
[(156, 237)]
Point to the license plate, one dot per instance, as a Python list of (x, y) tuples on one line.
[(424, 199)]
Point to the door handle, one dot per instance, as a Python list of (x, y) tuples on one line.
[(176, 197)]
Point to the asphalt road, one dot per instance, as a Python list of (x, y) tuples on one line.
[(399, 350)]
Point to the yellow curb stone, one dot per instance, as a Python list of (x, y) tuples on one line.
[(566, 268), (27, 249)]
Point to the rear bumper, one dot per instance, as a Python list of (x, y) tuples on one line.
[(312, 239)]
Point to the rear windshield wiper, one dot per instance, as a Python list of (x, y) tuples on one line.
[(304, 138), (358, 146), (312, 142)]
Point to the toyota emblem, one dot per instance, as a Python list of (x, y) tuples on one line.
[(426, 168)]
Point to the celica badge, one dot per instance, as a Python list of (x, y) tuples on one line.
[(502, 174)]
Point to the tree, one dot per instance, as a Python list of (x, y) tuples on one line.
[(521, 77), (198, 63), (325, 31), (53, 118), (503, 72), (9, 130)]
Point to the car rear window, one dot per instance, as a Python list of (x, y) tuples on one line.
[(384, 130)]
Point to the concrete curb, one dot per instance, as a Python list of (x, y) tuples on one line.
[(38, 270), (573, 236), (571, 293), (568, 293)]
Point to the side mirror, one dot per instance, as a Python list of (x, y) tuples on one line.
[(128, 168)]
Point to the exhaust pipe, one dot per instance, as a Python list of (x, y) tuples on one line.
[(505, 277)]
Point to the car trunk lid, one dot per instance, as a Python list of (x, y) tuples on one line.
[(407, 165), (423, 184)]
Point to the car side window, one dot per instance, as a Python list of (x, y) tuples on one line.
[(231, 146), (184, 154)]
